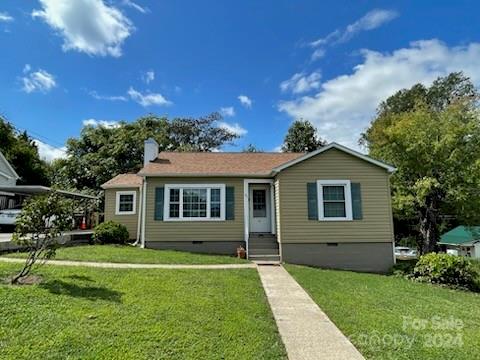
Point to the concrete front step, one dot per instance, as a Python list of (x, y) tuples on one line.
[(266, 251), (265, 257), (266, 262)]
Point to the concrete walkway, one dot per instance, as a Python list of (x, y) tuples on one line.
[(135, 266), (308, 334)]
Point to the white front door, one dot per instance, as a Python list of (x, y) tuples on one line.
[(260, 212)]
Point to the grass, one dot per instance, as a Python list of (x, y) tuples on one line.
[(130, 254), (371, 309), (137, 314)]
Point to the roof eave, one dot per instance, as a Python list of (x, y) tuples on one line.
[(255, 175), (119, 186)]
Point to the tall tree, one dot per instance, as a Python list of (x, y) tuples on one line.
[(302, 137), (102, 152), (22, 153), (251, 148), (432, 136)]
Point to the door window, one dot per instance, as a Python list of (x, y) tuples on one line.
[(259, 203)]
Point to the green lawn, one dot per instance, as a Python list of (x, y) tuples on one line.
[(137, 314), (370, 309), (131, 254)]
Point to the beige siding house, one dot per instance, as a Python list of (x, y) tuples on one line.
[(329, 208)]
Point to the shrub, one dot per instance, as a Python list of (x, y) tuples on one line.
[(454, 271), (403, 267), (110, 232)]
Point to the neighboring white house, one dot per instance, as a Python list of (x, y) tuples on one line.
[(8, 175), (463, 241)]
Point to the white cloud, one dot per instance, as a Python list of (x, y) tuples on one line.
[(147, 99), (227, 111), (135, 6), (234, 128), (101, 123), (245, 101), (97, 96), (344, 105), (48, 152), (89, 26), (39, 80), (5, 17), (370, 21), (318, 54), (148, 76), (301, 82)]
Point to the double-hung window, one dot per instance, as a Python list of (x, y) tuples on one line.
[(334, 200), (189, 202), (125, 202)]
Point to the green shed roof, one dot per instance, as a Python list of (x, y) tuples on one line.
[(460, 235)]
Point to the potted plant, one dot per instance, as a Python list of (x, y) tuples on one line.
[(241, 252)]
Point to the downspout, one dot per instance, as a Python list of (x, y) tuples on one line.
[(144, 207), (392, 229), (140, 215)]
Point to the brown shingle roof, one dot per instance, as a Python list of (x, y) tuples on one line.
[(220, 163), (123, 180)]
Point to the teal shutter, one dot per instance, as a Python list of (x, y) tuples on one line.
[(229, 203), (159, 195), (356, 201), (312, 202)]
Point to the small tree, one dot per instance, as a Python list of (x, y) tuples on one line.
[(302, 136), (40, 224)]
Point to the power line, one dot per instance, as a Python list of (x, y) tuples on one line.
[(40, 137)]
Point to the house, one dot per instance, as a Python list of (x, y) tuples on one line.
[(462, 240), (8, 177), (328, 208)]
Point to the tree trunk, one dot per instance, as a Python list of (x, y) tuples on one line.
[(428, 228), (27, 267)]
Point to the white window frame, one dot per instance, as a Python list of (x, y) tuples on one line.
[(348, 199), (166, 209), (117, 202)]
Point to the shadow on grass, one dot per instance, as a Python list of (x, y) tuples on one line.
[(60, 287), (80, 277)]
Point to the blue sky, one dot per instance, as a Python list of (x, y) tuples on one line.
[(262, 63)]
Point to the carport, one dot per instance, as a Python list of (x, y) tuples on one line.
[(87, 205)]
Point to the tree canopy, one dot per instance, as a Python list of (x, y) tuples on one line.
[(432, 136), (22, 153), (102, 152), (302, 137), (443, 92)]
